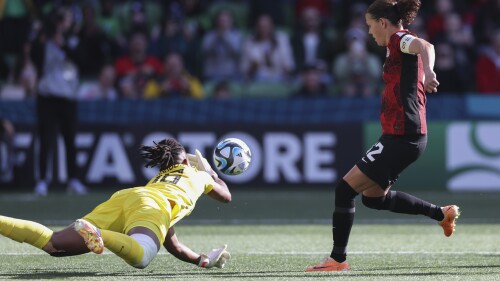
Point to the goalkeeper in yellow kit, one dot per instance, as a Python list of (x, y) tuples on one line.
[(135, 222)]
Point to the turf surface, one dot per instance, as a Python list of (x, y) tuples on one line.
[(274, 236), (282, 252)]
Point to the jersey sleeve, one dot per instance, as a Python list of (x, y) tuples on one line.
[(208, 182)]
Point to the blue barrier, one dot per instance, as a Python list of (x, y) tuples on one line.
[(255, 111)]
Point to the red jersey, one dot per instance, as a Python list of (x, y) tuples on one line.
[(124, 65), (403, 98)]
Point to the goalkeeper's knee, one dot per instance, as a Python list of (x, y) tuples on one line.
[(149, 247), (377, 203)]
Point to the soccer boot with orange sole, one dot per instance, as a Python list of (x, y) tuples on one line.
[(451, 214), (330, 265), (90, 235)]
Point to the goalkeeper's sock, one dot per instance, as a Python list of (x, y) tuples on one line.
[(24, 231), (400, 202), (343, 218), (124, 246)]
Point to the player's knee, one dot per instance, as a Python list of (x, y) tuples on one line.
[(373, 202), (344, 192), (149, 250)]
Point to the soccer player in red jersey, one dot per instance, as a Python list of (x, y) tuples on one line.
[(408, 73)]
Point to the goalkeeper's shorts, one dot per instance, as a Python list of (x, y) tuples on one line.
[(384, 161), (134, 207)]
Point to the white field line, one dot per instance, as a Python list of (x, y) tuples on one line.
[(310, 253)]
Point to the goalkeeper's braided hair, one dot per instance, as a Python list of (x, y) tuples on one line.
[(163, 154)]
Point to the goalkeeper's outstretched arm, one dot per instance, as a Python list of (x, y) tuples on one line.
[(179, 250), (220, 192), (215, 258)]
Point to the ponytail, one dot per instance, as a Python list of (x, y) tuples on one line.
[(163, 154), (397, 12)]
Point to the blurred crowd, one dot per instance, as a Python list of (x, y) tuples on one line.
[(133, 49)]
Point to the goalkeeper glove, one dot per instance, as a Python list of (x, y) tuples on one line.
[(215, 258), (197, 160)]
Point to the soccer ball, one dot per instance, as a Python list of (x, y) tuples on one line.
[(232, 156)]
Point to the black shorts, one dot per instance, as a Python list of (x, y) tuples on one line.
[(386, 159)]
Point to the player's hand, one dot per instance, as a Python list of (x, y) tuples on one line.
[(197, 160), (215, 258), (430, 82)]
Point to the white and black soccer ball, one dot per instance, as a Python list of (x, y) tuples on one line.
[(232, 156)]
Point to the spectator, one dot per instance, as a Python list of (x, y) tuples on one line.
[(309, 43), (176, 82), (418, 27), (103, 89), (357, 71), (451, 78), (137, 67), (15, 19), (487, 21), (310, 84), (109, 23), (355, 29), (171, 39), (459, 35), (278, 10), (6, 155), (95, 48), (267, 55), (138, 15), (181, 33), (221, 49), (23, 78), (435, 23), (488, 67), (322, 6), (55, 105), (222, 91)]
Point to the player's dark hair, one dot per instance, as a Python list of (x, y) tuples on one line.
[(397, 12), (164, 154)]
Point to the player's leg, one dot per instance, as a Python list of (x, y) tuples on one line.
[(395, 156), (401, 202), (138, 247), (135, 234), (47, 132), (404, 203), (66, 242), (68, 115), (346, 190), (24, 231)]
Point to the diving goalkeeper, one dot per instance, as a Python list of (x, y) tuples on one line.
[(135, 222)]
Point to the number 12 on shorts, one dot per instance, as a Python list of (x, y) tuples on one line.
[(374, 150)]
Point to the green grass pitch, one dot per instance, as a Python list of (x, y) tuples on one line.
[(275, 236)]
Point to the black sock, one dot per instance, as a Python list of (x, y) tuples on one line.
[(400, 202), (343, 217)]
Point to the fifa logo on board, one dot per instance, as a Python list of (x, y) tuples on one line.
[(473, 156)]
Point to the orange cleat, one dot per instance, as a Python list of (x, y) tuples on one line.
[(451, 213), (330, 264), (90, 235)]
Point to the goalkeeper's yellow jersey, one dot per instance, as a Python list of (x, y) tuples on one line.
[(182, 185)]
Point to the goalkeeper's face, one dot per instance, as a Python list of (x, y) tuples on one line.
[(182, 158)]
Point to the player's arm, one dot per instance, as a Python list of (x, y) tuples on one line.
[(215, 258), (220, 191), (179, 250), (428, 55)]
